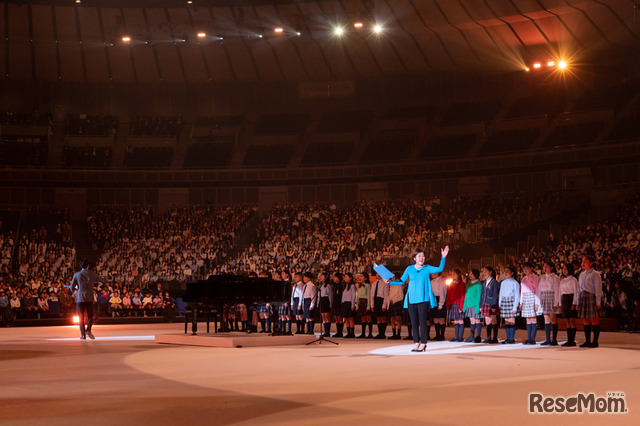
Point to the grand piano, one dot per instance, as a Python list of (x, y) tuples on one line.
[(207, 297)]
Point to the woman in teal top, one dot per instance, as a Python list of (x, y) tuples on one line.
[(419, 295), (472, 306)]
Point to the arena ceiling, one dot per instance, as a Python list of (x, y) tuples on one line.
[(64, 41)]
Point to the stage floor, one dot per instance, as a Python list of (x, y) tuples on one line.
[(50, 377)]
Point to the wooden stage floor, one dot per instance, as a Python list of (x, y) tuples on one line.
[(126, 377)]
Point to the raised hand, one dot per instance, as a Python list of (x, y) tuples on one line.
[(445, 251)]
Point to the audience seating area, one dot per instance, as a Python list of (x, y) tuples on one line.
[(90, 125), (155, 126), (538, 121), (281, 124), (510, 141), (474, 112), (328, 153), (268, 155), (344, 121), (87, 156), (449, 146), (573, 134), (148, 157), (23, 151), (208, 155)]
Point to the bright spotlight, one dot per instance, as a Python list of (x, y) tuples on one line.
[(76, 319), (562, 65), (448, 281), (338, 31), (537, 65), (377, 29), (551, 64), (278, 30), (126, 39), (202, 35), (358, 25)]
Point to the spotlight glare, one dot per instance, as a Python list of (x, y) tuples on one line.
[(448, 281), (358, 25), (537, 65), (76, 319), (377, 29), (338, 31), (202, 35), (278, 30), (126, 39), (551, 63), (562, 65)]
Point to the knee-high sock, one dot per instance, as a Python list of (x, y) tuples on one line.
[(528, 332), (364, 329), (339, 328), (370, 328), (596, 332), (587, 333), (547, 332), (495, 331), (554, 331), (489, 331), (571, 332), (473, 330), (478, 329), (534, 330)]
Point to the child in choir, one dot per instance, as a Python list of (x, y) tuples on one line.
[(455, 301), (509, 296), (489, 302), (569, 302), (530, 302), (471, 306), (549, 294)]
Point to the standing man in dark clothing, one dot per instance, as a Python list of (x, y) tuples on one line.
[(83, 282)]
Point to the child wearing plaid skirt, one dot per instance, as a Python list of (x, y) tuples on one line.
[(509, 294), (569, 302), (455, 301), (549, 294), (589, 301), (489, 300), (530, 303), (471, 306)]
